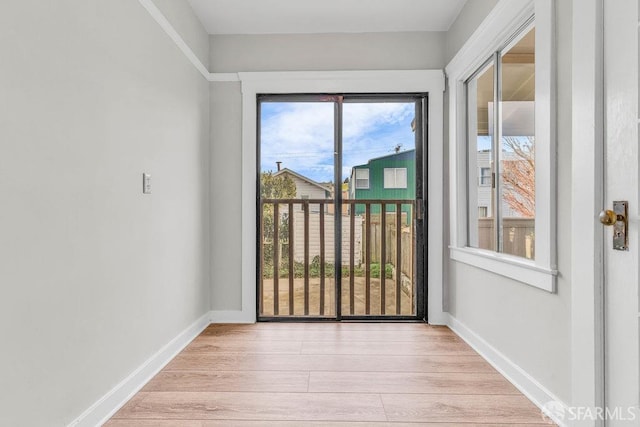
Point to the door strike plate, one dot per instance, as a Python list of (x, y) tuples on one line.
[(621, 226)]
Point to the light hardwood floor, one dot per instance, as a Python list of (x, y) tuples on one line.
[(328, 374)]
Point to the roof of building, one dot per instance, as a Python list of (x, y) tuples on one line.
[(401, 153), (302, 177)]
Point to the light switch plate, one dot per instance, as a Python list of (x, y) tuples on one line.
[(146, 183)]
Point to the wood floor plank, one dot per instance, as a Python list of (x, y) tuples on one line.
[(355, 335), (232, 423), (153, 423), (337, 363), (383, 348), (315, 332), (410, 382), (258, 406), (137, 398), (452, 408), (207, 344), (281, 423), (324, 326), (328, 336), (215, 380)]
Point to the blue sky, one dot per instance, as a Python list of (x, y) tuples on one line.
[(300, 134)]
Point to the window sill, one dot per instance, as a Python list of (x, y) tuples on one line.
[(515, 268)]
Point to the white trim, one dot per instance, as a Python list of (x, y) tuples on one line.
[(385, 81), (587, 198), (517, 376), (510, 266), (361, 186), (503, 22), (368, 81), (157, 15), (231, 316), (112, 401), (173, 34), (223, 77)]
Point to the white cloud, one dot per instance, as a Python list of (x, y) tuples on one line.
[(301, 135)]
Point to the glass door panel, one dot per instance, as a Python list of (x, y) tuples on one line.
[(297, 253), (379, 194), (339, 225)]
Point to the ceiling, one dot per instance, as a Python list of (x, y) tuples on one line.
[(325, 16)]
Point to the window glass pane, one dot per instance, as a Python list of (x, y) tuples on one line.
[(401, 178), (362, 178), (389, 178), (480, 95), (485, 176), (517, 148)]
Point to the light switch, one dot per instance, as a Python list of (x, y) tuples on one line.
[(146, 183)]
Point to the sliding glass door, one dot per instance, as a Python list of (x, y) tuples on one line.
[(340, 208)]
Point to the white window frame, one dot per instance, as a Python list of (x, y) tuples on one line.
[(504, 23), (395, 178), (362, 187)]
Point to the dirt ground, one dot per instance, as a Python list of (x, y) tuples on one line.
[(329, 299)]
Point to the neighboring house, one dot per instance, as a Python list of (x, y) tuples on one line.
[(390, 177), (306, 188), (485, 189)]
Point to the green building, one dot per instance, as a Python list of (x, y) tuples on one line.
[(391, 177)]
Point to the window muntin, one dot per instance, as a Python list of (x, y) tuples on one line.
[(362, 179), (395, 177), (508, 225)]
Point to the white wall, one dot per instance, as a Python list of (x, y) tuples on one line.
[(471, 15), (226, 202), (327, 52), (529, 326), (95, 277), (294, 52)]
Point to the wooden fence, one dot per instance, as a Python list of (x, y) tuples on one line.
[(407, 243), (518, 236), (314, 237)]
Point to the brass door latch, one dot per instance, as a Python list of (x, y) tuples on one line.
[(619, 219)]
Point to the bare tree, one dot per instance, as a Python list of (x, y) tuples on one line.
[(518, 175)]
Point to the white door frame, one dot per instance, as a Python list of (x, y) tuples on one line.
[(412, 81), (587, 180)]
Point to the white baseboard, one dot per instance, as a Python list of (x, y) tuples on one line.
[(111, 402), (524, 382), (232, 316)]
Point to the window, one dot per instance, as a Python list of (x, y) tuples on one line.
[(395, 177), (501, 141), (362, 178), (485, 177), (492, 62)]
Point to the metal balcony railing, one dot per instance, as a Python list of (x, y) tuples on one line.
[(297, 241)]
